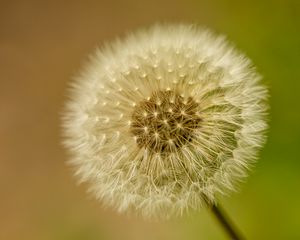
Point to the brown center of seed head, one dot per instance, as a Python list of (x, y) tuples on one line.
[(165, 122)]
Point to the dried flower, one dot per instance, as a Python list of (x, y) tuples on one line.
[(165, 118)]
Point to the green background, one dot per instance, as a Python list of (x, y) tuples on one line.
[(43, 43)]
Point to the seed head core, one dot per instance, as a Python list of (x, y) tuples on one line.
[(165, 121)]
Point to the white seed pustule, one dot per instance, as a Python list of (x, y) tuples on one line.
[(163, 119)]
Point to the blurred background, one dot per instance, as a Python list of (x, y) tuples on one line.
[(42, 45)]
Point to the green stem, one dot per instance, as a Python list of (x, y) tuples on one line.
[(224, 221)]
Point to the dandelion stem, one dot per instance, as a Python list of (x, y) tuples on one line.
[(226, 223)]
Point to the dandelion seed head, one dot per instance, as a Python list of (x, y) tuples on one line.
[(164, 119)]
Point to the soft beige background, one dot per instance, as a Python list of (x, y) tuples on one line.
[(43, 43)]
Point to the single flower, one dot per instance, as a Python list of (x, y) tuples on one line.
[(164, 119)]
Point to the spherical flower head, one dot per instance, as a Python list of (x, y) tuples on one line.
[(164, 119)]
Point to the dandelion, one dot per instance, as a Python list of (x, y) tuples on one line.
[(163, 120)]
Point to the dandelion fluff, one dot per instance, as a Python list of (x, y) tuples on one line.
[(164, 119)]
